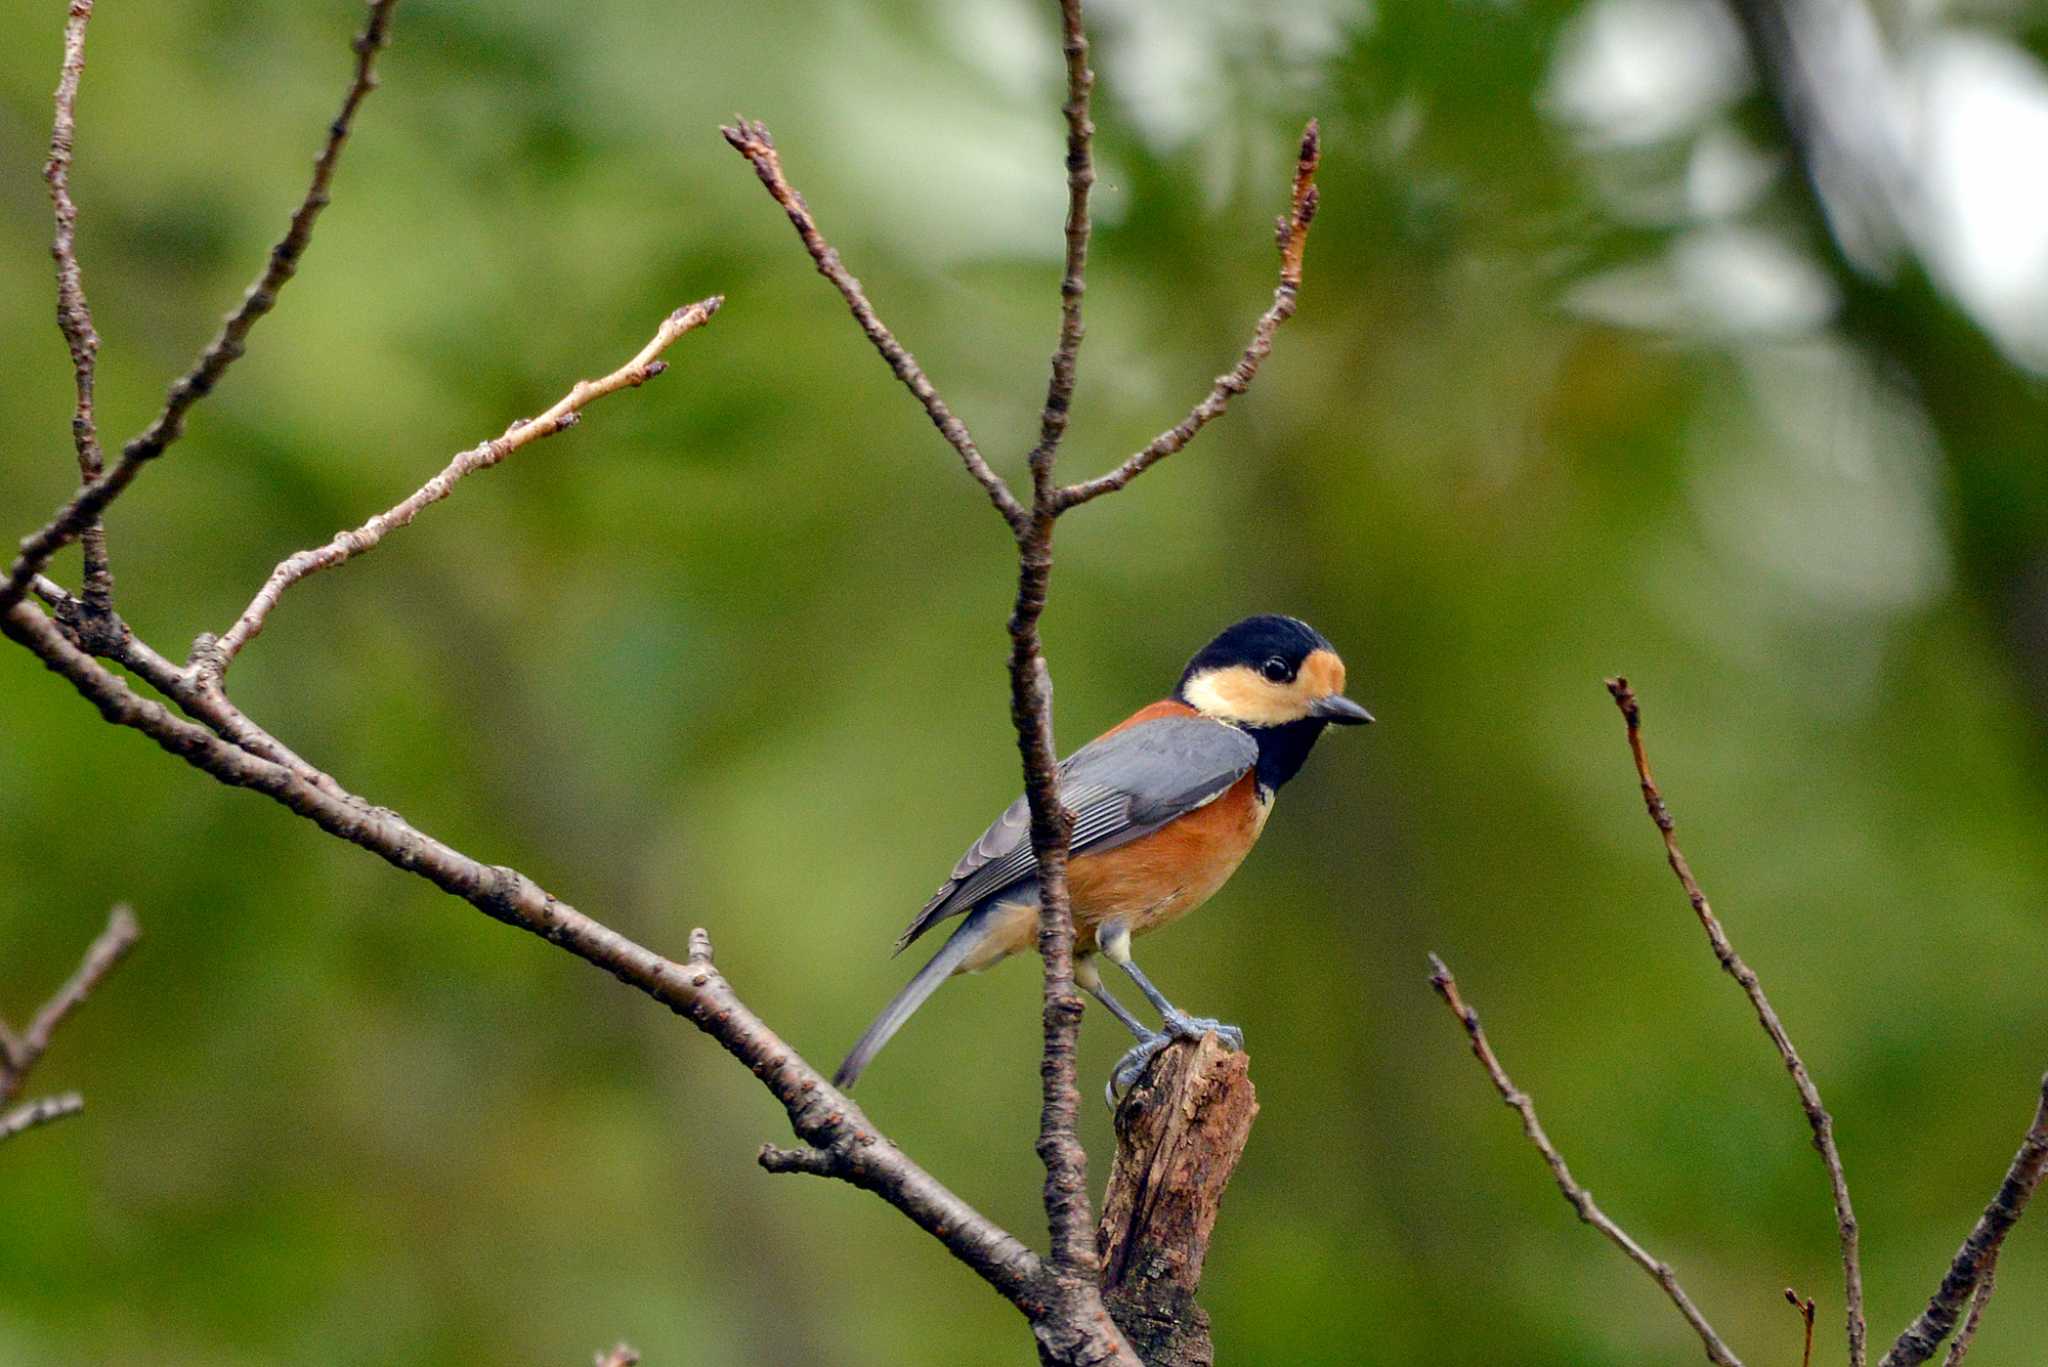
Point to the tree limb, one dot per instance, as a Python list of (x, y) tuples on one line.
[(202, 701), (819, 1114), (240, 754), (1959, 1348), (1581, 1200), (41, 1111), (1804, 1306), (1970, 1271), (19, 1053), (74, 314), (1817, 1116), (1059, 393), (228, 344)]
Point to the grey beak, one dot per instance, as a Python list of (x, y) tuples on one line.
[(1340, 710)]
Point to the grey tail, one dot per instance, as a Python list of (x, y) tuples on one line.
[(942, 965)]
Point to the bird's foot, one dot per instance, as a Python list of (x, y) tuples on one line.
[(1179, 1026), (1186, 1027), (1131, 1066)]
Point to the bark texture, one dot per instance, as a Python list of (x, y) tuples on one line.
[(1179, 1134)]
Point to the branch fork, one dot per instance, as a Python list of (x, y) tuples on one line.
[(19, 1053)]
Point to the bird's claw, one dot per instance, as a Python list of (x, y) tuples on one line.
[(1132, 1065), (1194, 1027)]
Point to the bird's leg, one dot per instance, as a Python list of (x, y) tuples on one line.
[(1179, 1024), (1090, 978), (1115, 939)]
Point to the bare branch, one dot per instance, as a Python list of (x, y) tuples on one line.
[(1059, 394), (212, 658), (1972, 1265), (816, 1162), (1581, 1200), (1085, 1331), (20, 1053), (74, 315), (1291, 232), (84, 507), (1076, 1264), (1805, 1308), (106, 951), (227, 346), (201, 700), (1959, 1348), (819, 1114), (751, 140), (41, 1111), (1817, 1116)]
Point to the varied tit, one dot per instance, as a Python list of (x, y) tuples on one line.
[(1165, 806)]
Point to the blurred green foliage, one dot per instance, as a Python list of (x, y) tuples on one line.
[(731, 654)]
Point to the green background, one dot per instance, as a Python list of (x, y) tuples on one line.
[(731, 654)]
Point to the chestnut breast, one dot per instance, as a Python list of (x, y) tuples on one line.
[(1160, 877)]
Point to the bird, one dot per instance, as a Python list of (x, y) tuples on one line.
[(1165, 806)]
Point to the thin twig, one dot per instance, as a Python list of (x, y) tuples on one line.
[(212, 658), (1059, 393), (1804, 1305), (1959, 1347), (1979, 1252), (1817, 1116), (19, 1053), (1581, 1200), (40, 1112), (84, 507), (1291, 234), (227, 345), (751, 140), (24, 1050), (74, 315)]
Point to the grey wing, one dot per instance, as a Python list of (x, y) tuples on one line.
[(1118, 788)]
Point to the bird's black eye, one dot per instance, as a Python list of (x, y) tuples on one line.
[(1277, 669)]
